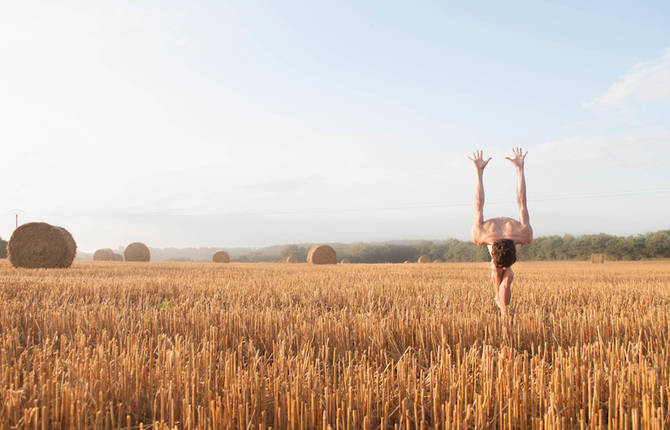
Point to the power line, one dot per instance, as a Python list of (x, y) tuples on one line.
[(435, 205), (409, 206)]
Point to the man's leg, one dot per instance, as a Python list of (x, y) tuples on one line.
[(505, 290), (497, 279)]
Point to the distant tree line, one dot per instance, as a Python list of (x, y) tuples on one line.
[(640, 247), (567, 247)]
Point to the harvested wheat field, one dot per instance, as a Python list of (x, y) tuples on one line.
[(188, 345)]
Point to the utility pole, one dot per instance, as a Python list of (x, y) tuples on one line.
[(16, 213)]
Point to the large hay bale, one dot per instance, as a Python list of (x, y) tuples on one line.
[(41, 245), (424, 259), (345, 261), (597, 258), (221, 257), (137, 251), (291, 259), (322, 254), (104, 254)]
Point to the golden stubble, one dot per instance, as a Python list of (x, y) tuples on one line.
[(201, 345)]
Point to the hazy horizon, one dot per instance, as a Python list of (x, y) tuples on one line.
[(248, 124)]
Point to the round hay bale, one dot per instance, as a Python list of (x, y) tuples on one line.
[(322, 254), (117, 257), (405, 262), (423, 259), (221, 257), (71, 246), (291, 259), (104, 254), (137, 251), (3, 248), (345, 261), (41, 245)]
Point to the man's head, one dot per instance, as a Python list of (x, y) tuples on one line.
[(503, 252)]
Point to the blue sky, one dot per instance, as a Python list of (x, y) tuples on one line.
[(254, 123)]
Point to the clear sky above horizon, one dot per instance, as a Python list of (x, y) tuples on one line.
[(250, 123)]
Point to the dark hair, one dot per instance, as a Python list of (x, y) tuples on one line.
[(503, 253)]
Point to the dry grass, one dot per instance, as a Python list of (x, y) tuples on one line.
[(188, 345)]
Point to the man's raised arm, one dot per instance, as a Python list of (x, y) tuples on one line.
[(480, 164), (518, 161)]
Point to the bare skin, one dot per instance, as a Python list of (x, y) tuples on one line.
[(493, 229)]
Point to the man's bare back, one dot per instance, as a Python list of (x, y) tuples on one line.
[(503, 236), (502, 228)]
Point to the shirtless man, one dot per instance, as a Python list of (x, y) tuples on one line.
[(503, 236)]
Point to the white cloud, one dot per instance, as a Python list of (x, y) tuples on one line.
[(645, 82)]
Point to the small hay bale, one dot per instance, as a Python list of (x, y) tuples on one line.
[(597, 258), (424, 259), (405, 262), (221, 257), (117, 257), (291, 259), (322, 254), (345, 261), (137, 251), (41, 245), (104, 254), (3, 248)]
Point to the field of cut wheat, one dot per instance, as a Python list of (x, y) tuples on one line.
[(255, 346)]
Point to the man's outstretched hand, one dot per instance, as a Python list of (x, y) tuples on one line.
[(519, 157), (478, 159)]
